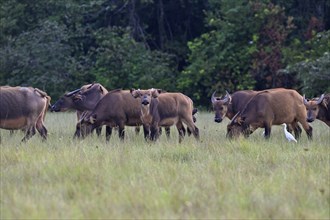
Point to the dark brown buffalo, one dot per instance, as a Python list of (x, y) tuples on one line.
[(23, 108), (74, 100), (229, 105), (267, 108), (318, 108), (165, 109), (116, 109)]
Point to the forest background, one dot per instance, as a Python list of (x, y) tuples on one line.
[(191, 46)]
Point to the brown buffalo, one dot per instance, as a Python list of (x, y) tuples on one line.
[(166, 109), (23, 108), (116, 109), (83, 105), (267, 108), (318, 108), (229, 105)]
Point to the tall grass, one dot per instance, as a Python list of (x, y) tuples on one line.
[(213, 178)]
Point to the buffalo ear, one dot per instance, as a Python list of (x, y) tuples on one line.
[(134, 92), (91, 85), (102, 90), (154, 93), (325, 103), (77, 97)]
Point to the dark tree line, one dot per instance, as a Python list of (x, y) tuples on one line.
[(192, 46)]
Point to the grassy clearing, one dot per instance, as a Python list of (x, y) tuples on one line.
[(213, 178)]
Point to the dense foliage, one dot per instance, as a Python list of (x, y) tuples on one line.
[(193, 46)]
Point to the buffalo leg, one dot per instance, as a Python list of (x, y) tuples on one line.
[(98, 131), (167, 131), (192, 127), (146, 132), (42, 131), (189, 132), (181, 131), (29, 133), (294, 126), (154, 132), (77, 133), (297, 131), (196, 133), (308, 129), (108, 132), (310, 133), (267, 131), (121, 131), (137, 130)]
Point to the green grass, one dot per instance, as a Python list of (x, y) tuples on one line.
[(213, 178)]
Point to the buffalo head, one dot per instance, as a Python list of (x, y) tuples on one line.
[(312, 107), (145, 95), (64, 102), (86, 125), (88, 96), (220, 106), (237, 126)]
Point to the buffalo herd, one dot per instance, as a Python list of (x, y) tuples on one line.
[(24, 108)]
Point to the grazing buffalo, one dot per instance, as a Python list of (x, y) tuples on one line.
[(318, 108), (116, 109), (229, 105), (267, 108), (23, 108), (166, 109), (83, 105)]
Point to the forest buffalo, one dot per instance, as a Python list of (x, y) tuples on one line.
[(116, 109), (267, 108), (74, 100), (165, 109), (229, 105), (318, 108), (23, 108)]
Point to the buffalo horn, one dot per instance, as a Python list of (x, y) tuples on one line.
[(305, 100), (91, 85), (72, 93), (213, 99), (320, 99), (227, 97)]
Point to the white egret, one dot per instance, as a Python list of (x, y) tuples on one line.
[(288, 135)]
